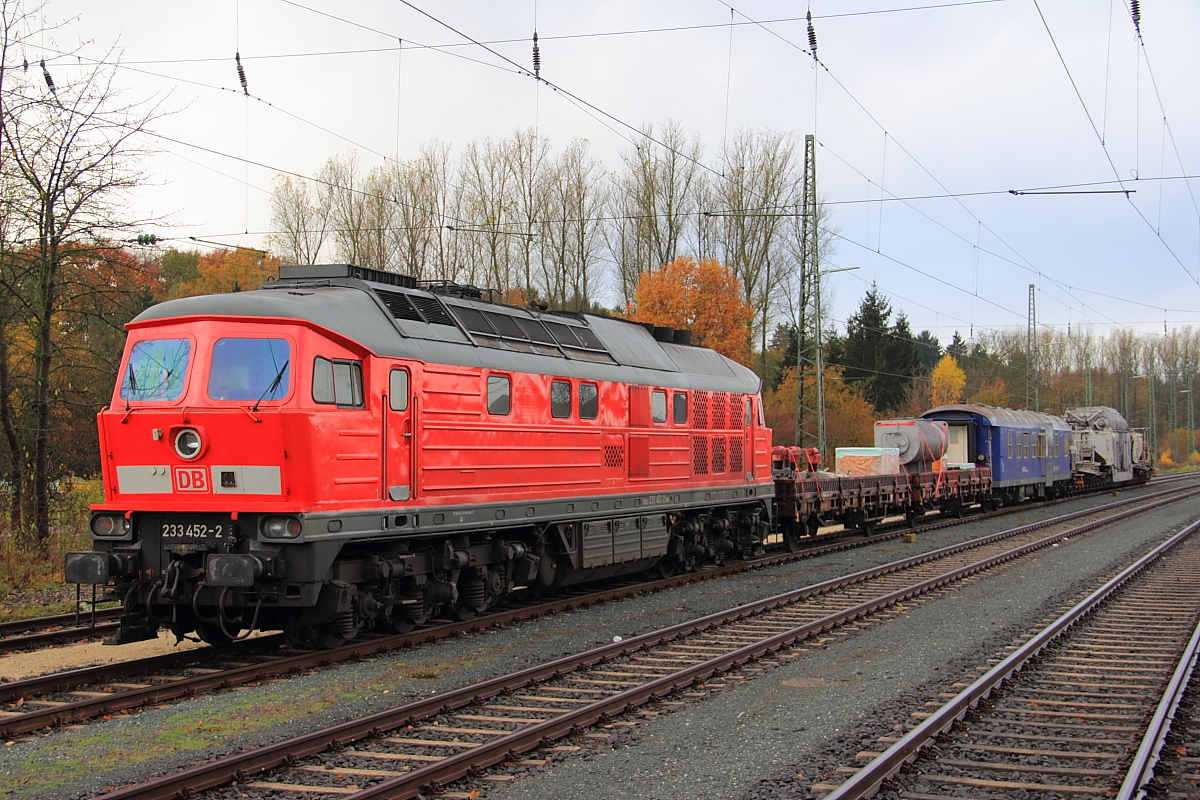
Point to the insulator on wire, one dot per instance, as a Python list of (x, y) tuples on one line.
[(241, 73), (1135, 10), (25, 65), (812, 35), (49, 80), (537, 57)]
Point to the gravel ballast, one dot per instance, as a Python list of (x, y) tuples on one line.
[(718, 748)]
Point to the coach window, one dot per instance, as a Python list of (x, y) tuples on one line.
[(679, 407), (589, 401), (398, 390), (1009, 436), (499, 394), (560, 399), (658, 406), (337, 382)]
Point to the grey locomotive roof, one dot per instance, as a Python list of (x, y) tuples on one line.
[(360, 310), (1000, 417)]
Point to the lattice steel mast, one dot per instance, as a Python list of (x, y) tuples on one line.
[(810, 397), (1031, 354)]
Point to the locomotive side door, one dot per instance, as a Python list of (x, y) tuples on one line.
[(398, 436)]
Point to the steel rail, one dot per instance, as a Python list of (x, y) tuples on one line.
[(239, 766), (7, 629), (87, 676), (867, 781), (43, 638), (1141, 769)]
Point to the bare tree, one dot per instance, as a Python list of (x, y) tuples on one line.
[(654, 203), (487, 201), (72, 147), (759, 188), (299, 220), (571, 238)]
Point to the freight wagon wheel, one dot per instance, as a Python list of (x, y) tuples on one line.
[(811, 526), (791, 537)]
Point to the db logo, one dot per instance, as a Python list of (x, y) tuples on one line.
[(190, 479)]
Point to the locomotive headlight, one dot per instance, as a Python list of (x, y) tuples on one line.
[(109, 527), (188, 444), (281, 528)]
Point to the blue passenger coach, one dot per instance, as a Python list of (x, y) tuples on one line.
[(1027, 451)]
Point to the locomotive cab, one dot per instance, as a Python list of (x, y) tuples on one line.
[(213, 451)]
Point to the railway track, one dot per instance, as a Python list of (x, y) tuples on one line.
[(64, 698), (26, 634), (422, 746), (1082, 709)]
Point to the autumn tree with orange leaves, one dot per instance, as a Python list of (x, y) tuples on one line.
[(849, 417), (703, 297)]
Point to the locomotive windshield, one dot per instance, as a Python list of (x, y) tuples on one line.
[(250, 369), (156, 369)]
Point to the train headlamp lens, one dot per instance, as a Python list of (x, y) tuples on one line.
[(281, 527), (109, 526), (187, 444)]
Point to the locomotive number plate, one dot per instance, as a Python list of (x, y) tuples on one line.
[(195, 528)]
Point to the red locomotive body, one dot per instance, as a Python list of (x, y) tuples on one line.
[(340, 451)]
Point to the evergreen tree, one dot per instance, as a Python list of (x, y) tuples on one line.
[(879, 358), (957, 347), (929, 348)]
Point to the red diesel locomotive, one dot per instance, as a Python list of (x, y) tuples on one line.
[(342, 451)]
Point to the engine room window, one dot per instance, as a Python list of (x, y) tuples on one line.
[(589, 401), (499, 394), (250, 369), (337, 383), (156, 370), (658, 406), (679, 407), (398, 390), (560, 399), (749, 412)]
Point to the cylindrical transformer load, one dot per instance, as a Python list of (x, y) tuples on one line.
[(920, 441)]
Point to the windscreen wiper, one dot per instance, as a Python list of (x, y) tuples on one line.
[(274, 385)]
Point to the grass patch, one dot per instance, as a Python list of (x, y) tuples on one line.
[(31, 582), (424, 674)]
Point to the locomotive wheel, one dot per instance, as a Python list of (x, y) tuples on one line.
[(667, 567), (461, 613), (211, 632), (329, 640)]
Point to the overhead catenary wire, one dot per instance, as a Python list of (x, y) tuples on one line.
[(888, 199), (1103, 146), (903, 149)]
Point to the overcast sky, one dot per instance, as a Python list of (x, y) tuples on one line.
[(913, 99)]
